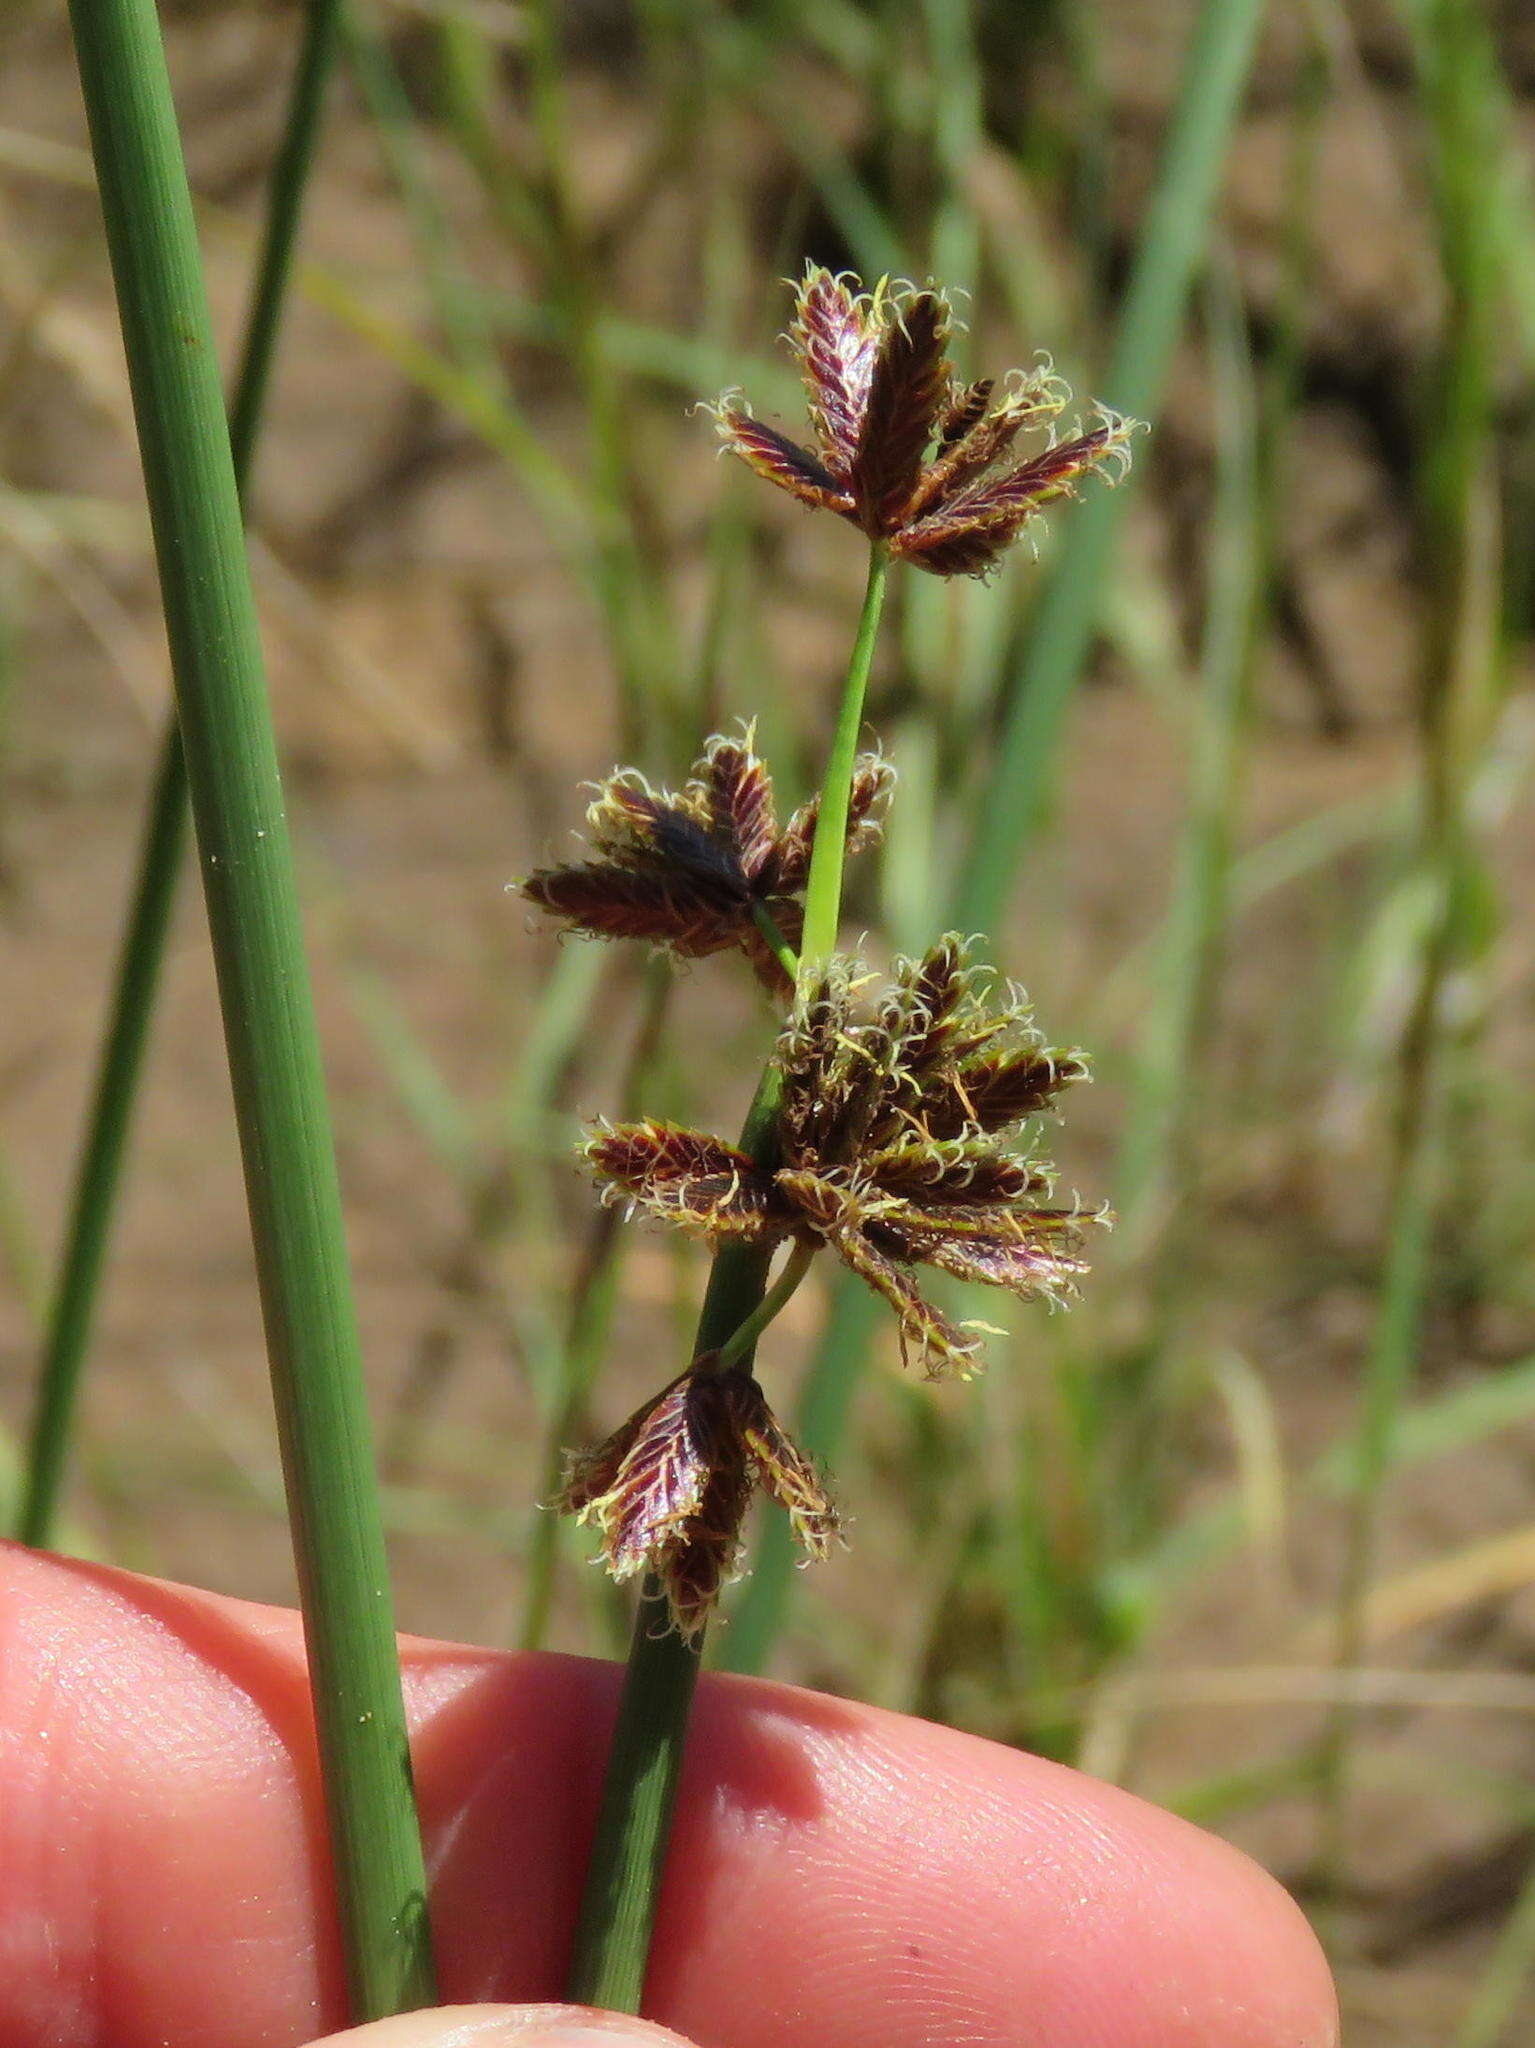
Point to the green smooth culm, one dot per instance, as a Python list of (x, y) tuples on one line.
[(247, 868)]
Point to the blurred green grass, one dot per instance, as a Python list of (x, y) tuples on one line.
[(1280, 893)]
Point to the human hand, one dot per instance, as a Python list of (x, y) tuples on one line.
[(839, 1875)]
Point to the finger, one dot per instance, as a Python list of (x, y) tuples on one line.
[(507, 2026), (837, 1874)]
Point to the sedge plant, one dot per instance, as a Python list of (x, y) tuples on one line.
[(891, 1126)]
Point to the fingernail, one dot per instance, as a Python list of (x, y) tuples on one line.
[(592, 2030), (503, 2026), (616, 2036)]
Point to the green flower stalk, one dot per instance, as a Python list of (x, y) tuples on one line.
[(894, 1133)]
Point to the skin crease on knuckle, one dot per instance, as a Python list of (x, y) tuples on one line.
[(839, 1874)]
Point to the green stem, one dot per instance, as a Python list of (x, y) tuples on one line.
[(73, 1308), (269, 1026), (772, 1304), (164, 838), (612, 1944), (612, 1947), (618, 1907), (823, 890), (778, 945)]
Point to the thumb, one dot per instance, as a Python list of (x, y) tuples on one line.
[(507, 2026)]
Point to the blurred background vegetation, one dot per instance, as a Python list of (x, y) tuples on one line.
[(1236, 773)]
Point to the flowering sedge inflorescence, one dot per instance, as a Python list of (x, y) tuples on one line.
[(926, 464), (896, 1143), (707, 867), (902, 1127)]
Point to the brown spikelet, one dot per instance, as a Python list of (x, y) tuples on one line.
[(612, 903), (910, 378), (836, 334), (942, 1348), (1043, 1260), (1044, 476), (781, 461), (952, 1175), (997, 1090), (687, 1178), (966, 531), (955, 550), (787, 1476), (983, 444), (644, 1480), (835, 1075), (589, 1475), (965, 407), (741, 802), (668, 1491), (894, 1147), (695, 1566), (926, 1004)]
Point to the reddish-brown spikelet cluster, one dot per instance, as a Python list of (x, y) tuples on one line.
[(668, 1490), (898, 1149), (920, 460), (691, 869), (898, 1145)]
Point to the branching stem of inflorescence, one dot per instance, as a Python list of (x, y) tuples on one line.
[(737, 1348), (823, 890), (778, 945), (629, 1849)]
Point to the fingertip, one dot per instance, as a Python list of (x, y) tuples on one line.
[(1269, 1957), (1019, 1887), (1167, 1936)]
